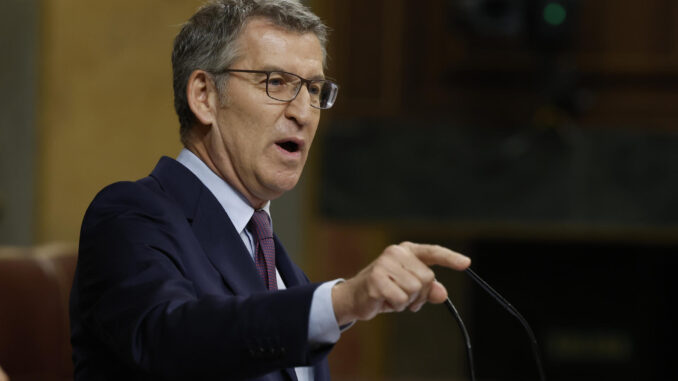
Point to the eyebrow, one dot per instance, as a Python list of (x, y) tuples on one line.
[(278, 68)]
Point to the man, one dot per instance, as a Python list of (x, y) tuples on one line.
[(179, 275)]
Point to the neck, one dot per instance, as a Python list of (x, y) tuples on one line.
[(197, 145)]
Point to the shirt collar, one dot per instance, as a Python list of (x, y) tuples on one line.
[(235, 205)]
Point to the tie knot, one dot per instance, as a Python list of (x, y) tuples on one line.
[(260, 225)]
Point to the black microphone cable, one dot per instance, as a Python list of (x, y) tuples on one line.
[(512, 310), (467, 339)]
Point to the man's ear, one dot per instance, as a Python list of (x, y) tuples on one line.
[(202, 97)]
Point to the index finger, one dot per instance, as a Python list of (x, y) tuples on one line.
[(438, 255)]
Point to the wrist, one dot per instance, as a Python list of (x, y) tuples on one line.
[(341, 303)]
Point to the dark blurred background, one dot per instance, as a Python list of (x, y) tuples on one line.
[(539, 137)]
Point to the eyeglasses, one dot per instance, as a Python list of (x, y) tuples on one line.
[(512, 310), (283, 86)]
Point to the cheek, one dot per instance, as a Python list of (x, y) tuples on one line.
[(238, 136), (314, 131)]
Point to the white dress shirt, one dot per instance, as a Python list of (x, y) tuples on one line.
[(322, 325)]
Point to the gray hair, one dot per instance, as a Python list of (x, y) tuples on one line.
[(207, 41)]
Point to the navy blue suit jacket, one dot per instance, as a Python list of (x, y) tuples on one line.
[(165, 289)]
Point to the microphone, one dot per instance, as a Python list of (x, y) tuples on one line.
[(511, 310)]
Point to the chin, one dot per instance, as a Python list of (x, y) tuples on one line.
[(288, 185), (280, 185)]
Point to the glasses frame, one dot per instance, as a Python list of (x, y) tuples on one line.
[(304, 82)]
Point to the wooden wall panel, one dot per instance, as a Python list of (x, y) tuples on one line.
[(431, 63), (366, 54)]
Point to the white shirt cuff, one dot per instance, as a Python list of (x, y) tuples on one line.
[(322, 324)]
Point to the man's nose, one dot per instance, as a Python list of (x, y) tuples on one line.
[(300, 108)]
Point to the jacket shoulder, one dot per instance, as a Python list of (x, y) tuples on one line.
[(128, 201), (142, 194)]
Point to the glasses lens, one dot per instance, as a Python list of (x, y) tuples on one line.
[(282, 86), (325, 95)]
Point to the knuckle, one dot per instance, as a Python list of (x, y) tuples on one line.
[(414, 286), (400, 302), (395, 253), (428, 275), (391, 249)]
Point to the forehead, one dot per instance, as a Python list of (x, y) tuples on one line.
[(268, 46)]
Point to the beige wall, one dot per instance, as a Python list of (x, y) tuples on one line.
[(105, 107)]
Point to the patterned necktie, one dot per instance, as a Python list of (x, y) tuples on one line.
[(260, 227)]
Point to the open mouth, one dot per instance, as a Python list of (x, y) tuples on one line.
[(288, 146)]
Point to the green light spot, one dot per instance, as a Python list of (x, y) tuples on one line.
[(554, 14)]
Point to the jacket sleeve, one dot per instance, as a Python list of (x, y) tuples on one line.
[(133, 295)]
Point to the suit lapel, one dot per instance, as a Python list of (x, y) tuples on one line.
[(224, 247), (211, 226)]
